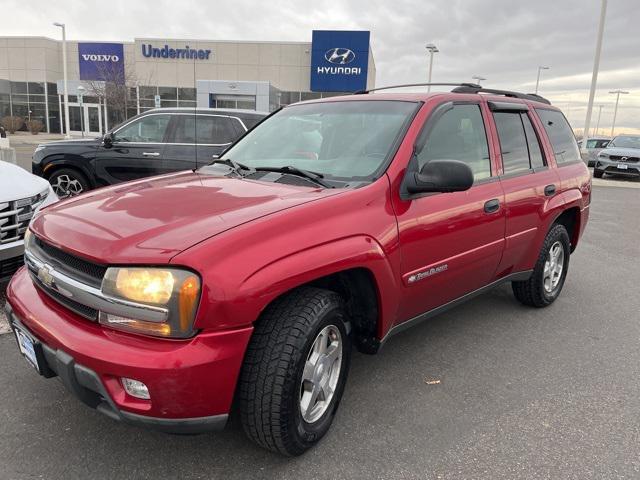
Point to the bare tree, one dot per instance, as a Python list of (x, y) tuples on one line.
[(114, 87)]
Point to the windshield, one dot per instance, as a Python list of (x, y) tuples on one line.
[(625, 142), (343, 141)]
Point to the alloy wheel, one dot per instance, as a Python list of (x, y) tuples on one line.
[(65, 186), (553, 267)]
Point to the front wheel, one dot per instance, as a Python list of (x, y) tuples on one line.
[(68, 182), (549, 273), (295, 371), (598, 173)]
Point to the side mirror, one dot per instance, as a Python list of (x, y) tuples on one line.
[(107, 140), (440, 176)]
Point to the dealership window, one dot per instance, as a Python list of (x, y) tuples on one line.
[(168, 93), (19, 87), (310, 95), (186, 94), (36, 88), (52, 88), (148, 92)]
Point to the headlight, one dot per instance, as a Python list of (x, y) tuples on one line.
[(175, 291), (603, 155)]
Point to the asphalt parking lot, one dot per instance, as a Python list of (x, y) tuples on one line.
[(523, 393)]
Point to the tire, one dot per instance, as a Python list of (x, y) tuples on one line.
[(285, 340), (68, 182), (598, 173), (541, 289)]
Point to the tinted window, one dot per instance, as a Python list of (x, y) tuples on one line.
[(513, 142), (148, 129), (535, 152), (205, 129), (602, 143), (561, 136), (459, 135), (250, 121)]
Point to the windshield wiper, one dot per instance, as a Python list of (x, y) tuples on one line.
[(235, 166), (291, 170)]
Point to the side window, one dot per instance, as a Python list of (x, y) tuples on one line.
[(591, 143), (535, 152), (560, 135), (459, 135), (602, 143), (513, 142), (148, 129), (205, 129)]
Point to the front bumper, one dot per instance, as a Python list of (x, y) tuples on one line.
[(612, 167), (191, 382)]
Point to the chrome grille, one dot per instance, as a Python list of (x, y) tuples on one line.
[(15, 217)]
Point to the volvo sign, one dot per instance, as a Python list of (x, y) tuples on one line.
[(101, 61), (339, 61)]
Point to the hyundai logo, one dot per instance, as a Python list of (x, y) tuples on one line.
[(340, 56)]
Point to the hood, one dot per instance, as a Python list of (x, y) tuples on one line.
[(16, 183), (622, 152), (152, 220), (73, 141)]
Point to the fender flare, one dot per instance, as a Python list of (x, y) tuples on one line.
[(284, 274), (58, 160)]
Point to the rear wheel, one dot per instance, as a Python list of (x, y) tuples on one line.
[(68, 182), (295, 371), (549, 273)]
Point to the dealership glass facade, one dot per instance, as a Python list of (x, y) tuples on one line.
[(118, 80)]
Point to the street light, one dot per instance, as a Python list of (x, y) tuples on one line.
[(431, 48), (540, 68), (478, 78), (64, 73), (594, 75), (617, 93)]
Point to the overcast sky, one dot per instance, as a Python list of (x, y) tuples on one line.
[(502, 40)]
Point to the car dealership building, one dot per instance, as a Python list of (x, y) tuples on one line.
[(111, 81)]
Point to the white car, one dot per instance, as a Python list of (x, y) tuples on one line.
[(21, 196)]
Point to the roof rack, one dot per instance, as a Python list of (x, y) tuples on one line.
[(470, 85), (464, 88), (469, 88)]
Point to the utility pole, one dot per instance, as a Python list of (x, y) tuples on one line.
[(598, 122), (594, 76)]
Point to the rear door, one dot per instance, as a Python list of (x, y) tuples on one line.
[(137, 151), (451, 243), (528, 182), (198, 138)]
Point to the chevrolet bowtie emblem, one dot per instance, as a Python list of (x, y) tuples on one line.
[(44, 275)]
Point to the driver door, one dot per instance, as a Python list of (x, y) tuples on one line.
[(137, 151)]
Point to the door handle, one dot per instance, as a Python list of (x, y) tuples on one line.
[(492, 206), (549, 190), (151, 154)]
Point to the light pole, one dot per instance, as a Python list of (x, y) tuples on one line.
[(431, 48), (64, 75), (598, 122), (617, 93), (594, 76), (478, 78), (81, 91), (540, 68)]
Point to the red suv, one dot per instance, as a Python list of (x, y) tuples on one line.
[(166, 301)]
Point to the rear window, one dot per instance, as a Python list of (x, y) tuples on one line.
[(561, 136)]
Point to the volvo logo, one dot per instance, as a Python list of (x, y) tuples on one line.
[(624, 159), (100, 57), (45, 276), (339, 56)]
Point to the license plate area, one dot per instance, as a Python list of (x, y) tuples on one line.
[(622, 166), (30, 349)]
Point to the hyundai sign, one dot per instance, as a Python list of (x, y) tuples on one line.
[(339, 61), (101, 61)]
